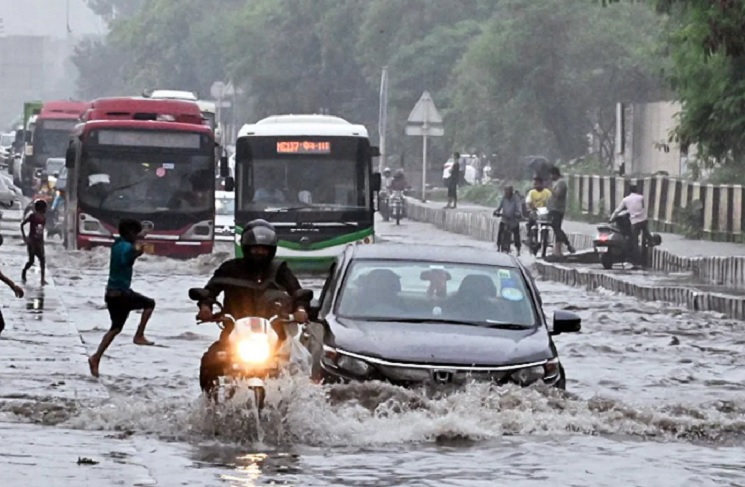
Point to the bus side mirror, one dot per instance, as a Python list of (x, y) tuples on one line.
[(376, 181), (224, 169), (70, 157), (374, 151), (229, 184)]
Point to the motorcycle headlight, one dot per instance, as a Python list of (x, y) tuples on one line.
[(254, 350), (353, 365)]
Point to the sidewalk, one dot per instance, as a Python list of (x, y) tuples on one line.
[(673, 243), (43, 369)]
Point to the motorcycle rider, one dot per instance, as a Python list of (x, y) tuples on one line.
[(537, 198), (387, 179), (244, 281), (633, 202), (398, 183)]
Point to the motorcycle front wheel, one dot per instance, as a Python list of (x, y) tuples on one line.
[(259, 397), (544, 243)]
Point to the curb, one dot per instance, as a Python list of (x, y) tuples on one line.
[(693, 299)]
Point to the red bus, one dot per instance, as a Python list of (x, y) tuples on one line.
[(151, 160), (49, 139)]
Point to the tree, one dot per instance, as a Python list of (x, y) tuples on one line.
[(545, 74), (111, 9)]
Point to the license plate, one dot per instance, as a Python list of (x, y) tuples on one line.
[(148, 249), (601, 250)]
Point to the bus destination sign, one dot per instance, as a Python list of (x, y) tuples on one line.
[(144, 138), (303, 147)]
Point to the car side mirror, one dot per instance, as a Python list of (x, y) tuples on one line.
[(376, 181), (374, 151), (199, 294), (229, 184), (224, 168), (566, 322), (70, 157)]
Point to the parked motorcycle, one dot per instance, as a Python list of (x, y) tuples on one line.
[(396, 203), (254, 353), (613, 241)]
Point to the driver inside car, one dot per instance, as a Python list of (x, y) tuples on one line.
[(475, 300)]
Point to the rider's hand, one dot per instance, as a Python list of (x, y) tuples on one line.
[(18, 290), (205, 313)]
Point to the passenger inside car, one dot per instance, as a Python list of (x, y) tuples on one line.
[(378, 293), (475, 300)]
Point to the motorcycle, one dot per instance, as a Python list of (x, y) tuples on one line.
[(254, 353), (396, 203), (613, 241), (540, 233)]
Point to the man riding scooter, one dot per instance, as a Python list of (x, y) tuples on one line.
[(537, 198), (244, 281)]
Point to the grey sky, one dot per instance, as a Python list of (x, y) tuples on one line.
[(47, 17)]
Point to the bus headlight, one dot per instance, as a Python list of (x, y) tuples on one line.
[(92, 226), (254, 350), (200, 231)]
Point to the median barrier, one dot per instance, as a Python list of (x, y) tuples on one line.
[(726, 271)]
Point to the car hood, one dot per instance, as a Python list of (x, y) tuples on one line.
[(440, 344)]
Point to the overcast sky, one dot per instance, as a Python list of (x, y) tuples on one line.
[(48, 17)]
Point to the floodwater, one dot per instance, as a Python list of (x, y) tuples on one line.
[(655, 397)]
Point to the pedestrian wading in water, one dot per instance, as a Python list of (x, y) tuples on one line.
[(16, 289), (36, 220), (120, 298)]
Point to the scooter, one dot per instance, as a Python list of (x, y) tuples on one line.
[(254, 353), (613, 241), (396, 203)]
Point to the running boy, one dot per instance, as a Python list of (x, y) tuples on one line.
[(120, 298), (16, 289), (36, 220)]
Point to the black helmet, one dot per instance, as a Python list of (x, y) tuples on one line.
[(259, 233)]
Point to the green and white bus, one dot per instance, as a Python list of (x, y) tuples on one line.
[(311, 176)]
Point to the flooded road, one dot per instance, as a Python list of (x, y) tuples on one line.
[(655, 397)]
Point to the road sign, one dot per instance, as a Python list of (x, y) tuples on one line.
[(425, 121)]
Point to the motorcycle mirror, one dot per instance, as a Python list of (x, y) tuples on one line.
[(303, 295), (198, 294)]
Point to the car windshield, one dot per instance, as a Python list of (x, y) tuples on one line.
[(147, 182), (225, 206), (55, 166), (436, 292)]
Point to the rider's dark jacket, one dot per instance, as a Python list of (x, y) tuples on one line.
[(244, 285)]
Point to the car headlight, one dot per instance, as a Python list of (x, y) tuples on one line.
[(254, 350), (353, 365), (548, 372)]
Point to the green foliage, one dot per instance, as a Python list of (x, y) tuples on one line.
[(511, 77)]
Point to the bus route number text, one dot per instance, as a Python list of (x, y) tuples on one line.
[(303, 147)]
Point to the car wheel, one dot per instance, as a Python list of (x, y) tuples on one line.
[(562, 382)]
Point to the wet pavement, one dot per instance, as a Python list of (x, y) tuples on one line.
[(674, 243), (655, 398)]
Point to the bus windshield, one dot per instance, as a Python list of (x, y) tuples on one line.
[(323, 182), (137, 182), (51, 137)]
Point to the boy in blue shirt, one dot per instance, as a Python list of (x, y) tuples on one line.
[(120, 298)]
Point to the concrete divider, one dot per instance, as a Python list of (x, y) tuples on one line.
[(728, 271), (732, 306)]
